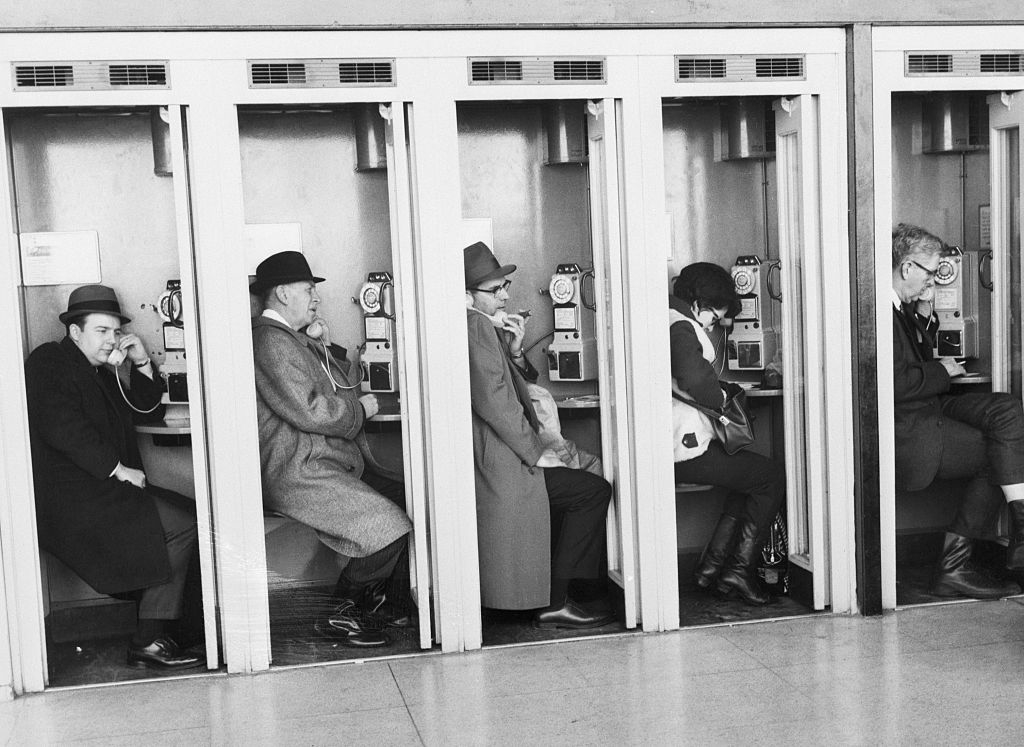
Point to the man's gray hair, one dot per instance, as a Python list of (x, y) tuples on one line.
[(909, 240)]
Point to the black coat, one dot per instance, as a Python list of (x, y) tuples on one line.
[(918, 381), (107, 531)]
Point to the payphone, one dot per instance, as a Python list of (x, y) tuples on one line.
[(752, 340), (174, 369), (572, 355), (955, 300), (380, 355)]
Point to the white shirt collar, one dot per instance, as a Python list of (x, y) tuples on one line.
[(896, 302), (271, 314)]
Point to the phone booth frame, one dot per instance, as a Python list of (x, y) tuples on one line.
[(890, 47)]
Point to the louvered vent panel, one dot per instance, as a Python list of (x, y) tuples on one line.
[(321, 73), (779, 67), (699, 67), (143, 75), (487, 70), (1001, 62), (738, 68), (366, 73), (90, 75), (959, 64)]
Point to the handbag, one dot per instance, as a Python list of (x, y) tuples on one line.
[(732, 423)]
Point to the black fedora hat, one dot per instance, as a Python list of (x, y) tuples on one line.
[(280, 269), (93, 299), (481, 265)]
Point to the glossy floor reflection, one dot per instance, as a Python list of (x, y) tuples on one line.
[(935, 675)]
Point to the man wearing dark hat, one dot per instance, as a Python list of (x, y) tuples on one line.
[(316, 464), (95, 510), (540, 523)]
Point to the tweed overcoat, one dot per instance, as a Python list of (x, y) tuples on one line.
[(312, 446), (512, 509), (105, 530)]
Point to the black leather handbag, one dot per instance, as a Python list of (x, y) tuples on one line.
[(732, 422)]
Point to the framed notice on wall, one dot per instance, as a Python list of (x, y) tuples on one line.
[(60, 257), (984, 227)]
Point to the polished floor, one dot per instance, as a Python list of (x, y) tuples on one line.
[(933, 675)]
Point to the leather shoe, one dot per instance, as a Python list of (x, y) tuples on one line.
[(163, 653), (571, 616), (351, 627), (384, 607)]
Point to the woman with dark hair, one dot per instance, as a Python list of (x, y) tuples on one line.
[(703, 294)]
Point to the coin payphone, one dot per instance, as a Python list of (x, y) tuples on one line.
[(752, 340), (572, 355), (380, 355), (955, 298), (174, 368)]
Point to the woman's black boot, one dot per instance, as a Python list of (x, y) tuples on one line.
[(1015, 550), (716, 551), (739, 575)]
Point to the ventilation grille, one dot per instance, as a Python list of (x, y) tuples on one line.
[(321, 73), (918, 64), (489, 70), (738, 67), (90, 75)]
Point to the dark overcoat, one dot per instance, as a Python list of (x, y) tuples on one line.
[(107, 531), (312, 446), (917, 380), (512, 509)]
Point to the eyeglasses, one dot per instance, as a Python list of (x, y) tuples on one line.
[(493, 291), (930, 273)]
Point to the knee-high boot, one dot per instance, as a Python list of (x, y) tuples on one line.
[(1015, 550), (739, 574), (716, 551)]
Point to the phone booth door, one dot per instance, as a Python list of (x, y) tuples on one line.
[(604, 128), (400, 189), (1006, 115), (800, 251)]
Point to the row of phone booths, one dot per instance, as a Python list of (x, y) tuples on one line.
[(600, 163)]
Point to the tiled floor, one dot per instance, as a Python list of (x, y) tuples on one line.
[(948, 674)]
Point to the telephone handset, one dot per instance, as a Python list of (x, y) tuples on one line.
[(116, 357), (315, 331)]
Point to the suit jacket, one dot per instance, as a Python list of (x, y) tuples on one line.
[(107, 531), (312, 446), (917, 383), (512, 509)]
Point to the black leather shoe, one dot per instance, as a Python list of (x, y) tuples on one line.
[(739, 576), (571, 616), (351, 627), (955, 577), (163, 653)]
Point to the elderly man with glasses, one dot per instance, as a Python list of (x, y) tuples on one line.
[(975, 436), (540, 523)]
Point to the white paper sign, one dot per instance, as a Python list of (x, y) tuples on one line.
[(264, 239), (60, 257)]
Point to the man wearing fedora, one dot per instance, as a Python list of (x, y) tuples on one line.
[(540, 523), (316, 464), (95, 510)]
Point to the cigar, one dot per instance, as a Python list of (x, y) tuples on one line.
[(524, 313)]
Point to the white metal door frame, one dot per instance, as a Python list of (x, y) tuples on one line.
[(827, 187), (889, 47)]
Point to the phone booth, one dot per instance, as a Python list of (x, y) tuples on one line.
[(539, 158), (325, 170), (947, 158), (96, 164), (750, 142)]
